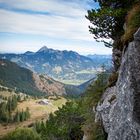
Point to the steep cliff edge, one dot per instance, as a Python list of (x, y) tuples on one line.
[(119, 109)]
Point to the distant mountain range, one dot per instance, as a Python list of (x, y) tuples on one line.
[(23, 80), (100, 60), (61, 65)]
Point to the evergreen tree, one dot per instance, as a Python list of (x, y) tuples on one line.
[(22, 116), (27, 113), (9, 104), (18, 98), (14, 102), (17, 117), (108, 20), (4, 113), (37, 126)]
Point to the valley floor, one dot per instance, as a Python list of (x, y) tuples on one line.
[(38, 112)]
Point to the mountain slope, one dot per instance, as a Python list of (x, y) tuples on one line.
[(73, 90), (24, 80), (15, 77), (83, 87)]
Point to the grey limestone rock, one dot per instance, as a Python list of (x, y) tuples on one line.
[(121, 116)]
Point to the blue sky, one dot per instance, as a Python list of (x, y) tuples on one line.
[(27, 25)]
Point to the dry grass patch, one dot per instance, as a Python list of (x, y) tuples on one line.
[(37, 112), (6, 93)]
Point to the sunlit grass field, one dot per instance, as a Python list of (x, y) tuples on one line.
[(37, 111)]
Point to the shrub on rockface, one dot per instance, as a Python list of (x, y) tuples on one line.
[(132, 23), (112, 79)]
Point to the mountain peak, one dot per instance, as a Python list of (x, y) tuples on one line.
[(28, 53), (43, 49)]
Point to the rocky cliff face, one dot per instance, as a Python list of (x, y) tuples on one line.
[(119, 110)]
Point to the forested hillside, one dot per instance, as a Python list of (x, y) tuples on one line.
[(23, 80), (17, 78)]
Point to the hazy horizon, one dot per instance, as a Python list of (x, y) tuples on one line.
[(50, 48)]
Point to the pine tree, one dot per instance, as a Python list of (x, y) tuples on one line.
[(22, 116), (108, 20), (18, 98), (14, 102), (27, 113), (17, 117), (37, 127), (9, 104), (4, 113)]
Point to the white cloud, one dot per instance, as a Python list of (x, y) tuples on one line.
[(57, 7), (52, 26), (65, 21)]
